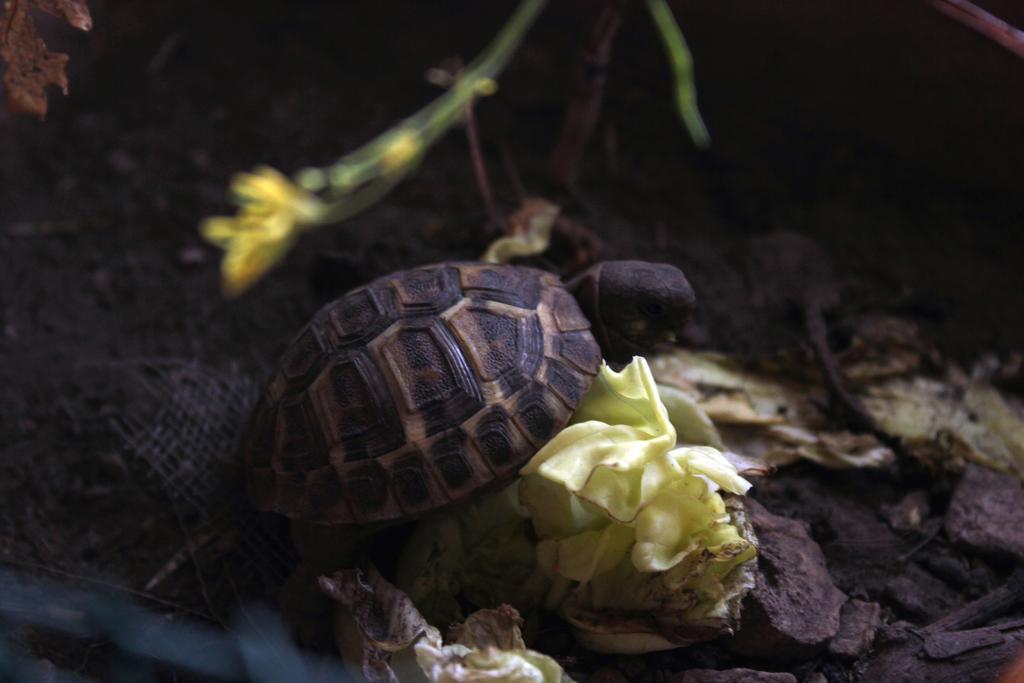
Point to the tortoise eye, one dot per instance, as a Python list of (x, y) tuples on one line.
[(652, 309)]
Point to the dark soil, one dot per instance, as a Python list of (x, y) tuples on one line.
[(875, 152)]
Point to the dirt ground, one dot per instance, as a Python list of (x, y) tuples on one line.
[(883, 164)]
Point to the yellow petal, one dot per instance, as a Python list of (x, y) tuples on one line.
[(220, 231), (265, 184), (247, 260)]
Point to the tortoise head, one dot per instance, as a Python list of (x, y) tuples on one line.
[(634, 305)]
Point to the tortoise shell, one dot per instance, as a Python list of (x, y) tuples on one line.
[(416, 391)]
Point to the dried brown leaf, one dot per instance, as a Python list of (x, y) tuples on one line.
[(500, 627), (75, 12), (376, 627), (31, 67)]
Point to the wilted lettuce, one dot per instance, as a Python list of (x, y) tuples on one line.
[(617, 528), (633, 531), (383, 638), (488, 647), (484, 551)]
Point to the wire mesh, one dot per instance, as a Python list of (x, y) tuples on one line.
[(184, 423)]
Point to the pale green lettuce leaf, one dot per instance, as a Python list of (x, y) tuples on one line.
[(622, 531), (633, 531), (693, 426), (484, 551), (628, 611), (620, 427)]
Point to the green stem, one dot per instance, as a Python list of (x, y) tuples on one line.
[(427, 125), (681, 63)]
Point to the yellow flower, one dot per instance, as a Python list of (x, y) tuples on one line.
[(273, 210)]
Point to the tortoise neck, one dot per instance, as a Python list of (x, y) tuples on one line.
[(585, 288)]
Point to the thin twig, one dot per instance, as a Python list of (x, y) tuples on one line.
[(584, 109), (179, 558), (929, 536), (817, 335), (509, 164), (191, 545), (988, 25), (449, 76), (483, 181)]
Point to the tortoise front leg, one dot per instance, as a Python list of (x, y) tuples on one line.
[(323, 549)]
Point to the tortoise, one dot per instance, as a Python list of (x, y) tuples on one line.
[(426, 386)]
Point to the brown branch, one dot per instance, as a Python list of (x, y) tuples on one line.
[(483, 181), (988, 25), (985, 608), (584, 108), (446, 76), (817, 335), (511, 171)]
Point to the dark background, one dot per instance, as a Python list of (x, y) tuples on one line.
[(885, 135)]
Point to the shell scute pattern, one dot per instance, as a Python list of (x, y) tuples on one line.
[(301, 448), (417, 390), (355, 410), (580, 351), (427, 290), (498, 441), (538, 415), (504, 345), (567, 383), (492, 282), (412, 482), (429, 372), (367, 492), (359, 316)]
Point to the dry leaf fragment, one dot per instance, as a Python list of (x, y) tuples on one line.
[(31, 67), (768, 416), (377, 627), (75, 12), (487, 648), (384, 639), (529, 232), (946, 422)]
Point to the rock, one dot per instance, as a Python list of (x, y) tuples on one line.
[(794, 607), (732, 676), (816, 677), (987, 513), (919, 594), (861, 548), (857, 624), (972, 577)]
